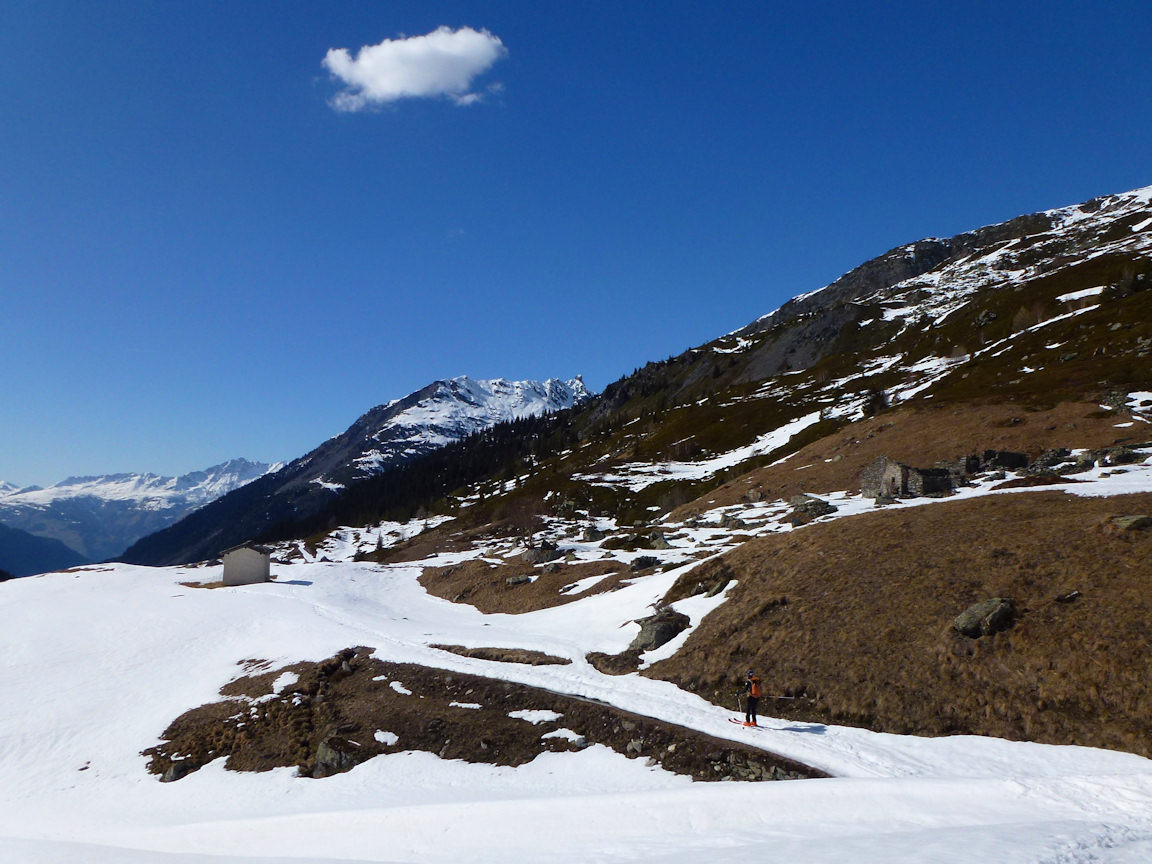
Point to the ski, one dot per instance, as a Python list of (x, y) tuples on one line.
[(741, 723)]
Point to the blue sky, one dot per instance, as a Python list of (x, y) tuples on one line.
[(204, 253)]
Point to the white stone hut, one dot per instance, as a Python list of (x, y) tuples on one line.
[(247, 564)]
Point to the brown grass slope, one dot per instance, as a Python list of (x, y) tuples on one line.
[(854, 617)]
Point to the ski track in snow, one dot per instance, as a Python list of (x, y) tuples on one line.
[(100, 660)]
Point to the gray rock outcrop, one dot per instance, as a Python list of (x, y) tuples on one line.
[(658, 629)]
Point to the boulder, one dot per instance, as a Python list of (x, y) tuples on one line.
[(333, 756), (175, 771), (986, 617), (521, 579), (644, 562), (811, 506), (592, 534), (656, 630), (659, 541), (1123, 456), (540, 555), (1008, 459), (720, 585), (1125, 524)]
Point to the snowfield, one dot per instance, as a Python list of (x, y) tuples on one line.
[(97, 663)]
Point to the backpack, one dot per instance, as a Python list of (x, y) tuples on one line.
[(755, 691)]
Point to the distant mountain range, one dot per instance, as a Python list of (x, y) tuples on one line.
[(96, 518), (385, 437)]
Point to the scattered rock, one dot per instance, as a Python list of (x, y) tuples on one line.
[(659, 541), (512, 581), (1068, 597), (593, 534), (986, 617)]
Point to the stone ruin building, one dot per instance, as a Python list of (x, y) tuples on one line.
[(887, 478)]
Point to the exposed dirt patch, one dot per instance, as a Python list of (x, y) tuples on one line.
[(615, 664), (507, 655), (921, 436), (1035, 480), (515, 588), (853, 619), (353, 707)]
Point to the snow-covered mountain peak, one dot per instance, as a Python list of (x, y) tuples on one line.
[(500, 399), (454, 408)]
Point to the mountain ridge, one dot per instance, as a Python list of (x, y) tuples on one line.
[(99, 516), (388, 435), (1045, 308)]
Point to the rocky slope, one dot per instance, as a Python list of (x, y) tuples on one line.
[(100, 517)]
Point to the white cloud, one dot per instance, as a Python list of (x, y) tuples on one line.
[(441, 63)]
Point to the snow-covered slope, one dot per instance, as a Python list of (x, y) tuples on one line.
[(81, 700), (99, 517)]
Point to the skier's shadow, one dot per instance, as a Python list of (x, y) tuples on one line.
[(810, 728)]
